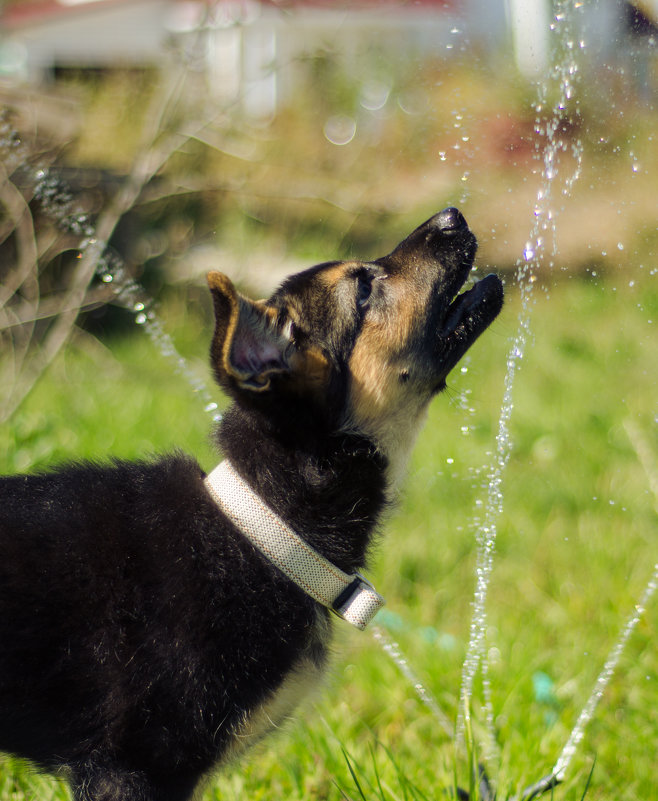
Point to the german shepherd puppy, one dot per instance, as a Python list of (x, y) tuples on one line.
[(143, 638)]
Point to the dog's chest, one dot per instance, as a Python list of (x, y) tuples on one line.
[(304, 677)]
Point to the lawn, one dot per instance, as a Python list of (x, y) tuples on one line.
[(576, 545)]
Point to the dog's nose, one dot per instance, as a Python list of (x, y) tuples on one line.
[(449, 219)]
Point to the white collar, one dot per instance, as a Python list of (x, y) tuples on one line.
[(349, 596)]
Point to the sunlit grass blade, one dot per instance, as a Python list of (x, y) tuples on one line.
[(589, 779), (355, 778)]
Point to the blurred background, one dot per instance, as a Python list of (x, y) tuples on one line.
[(271, 133), (144, 142)]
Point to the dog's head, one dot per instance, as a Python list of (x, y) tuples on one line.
[(359, 347)]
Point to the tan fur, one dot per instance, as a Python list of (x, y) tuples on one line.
[(381, 405), (332, 276), (312, 368), (237, 311)]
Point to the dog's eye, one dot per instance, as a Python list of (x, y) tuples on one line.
[(363, 289)]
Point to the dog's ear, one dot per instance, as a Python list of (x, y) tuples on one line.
[(247, 348)]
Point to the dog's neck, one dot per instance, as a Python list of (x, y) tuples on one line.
[(348, 595), (330, 490)]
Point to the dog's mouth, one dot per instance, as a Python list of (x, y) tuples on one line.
[(468, 316), (472, 311)]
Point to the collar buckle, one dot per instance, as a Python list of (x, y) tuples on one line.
[(358, 603)]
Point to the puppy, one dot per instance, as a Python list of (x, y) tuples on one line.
[(146, 634)]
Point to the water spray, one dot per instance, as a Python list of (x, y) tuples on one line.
[(563, 75), (57, 202)]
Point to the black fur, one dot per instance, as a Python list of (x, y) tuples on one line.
[(139, 629)]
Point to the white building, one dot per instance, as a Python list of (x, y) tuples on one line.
[(249, 47)]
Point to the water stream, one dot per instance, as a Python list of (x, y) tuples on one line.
[(607, 672), (561, 168), (543, 230), (132, 296), (57, 202)]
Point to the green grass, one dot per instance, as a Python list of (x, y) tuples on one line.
[(576, 545)]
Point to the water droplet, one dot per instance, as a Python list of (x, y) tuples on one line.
[(450, 460), (374, 95), (340, 130), (107, 278), (620, 245), (140, 319), (210, 407), (138, 306)]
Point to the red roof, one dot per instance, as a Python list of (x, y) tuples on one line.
[(348, 5), (20, 13)]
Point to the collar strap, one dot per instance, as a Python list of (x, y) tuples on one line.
[(349, 596)]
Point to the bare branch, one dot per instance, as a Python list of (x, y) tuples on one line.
[(20, 219), (65, 308)]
